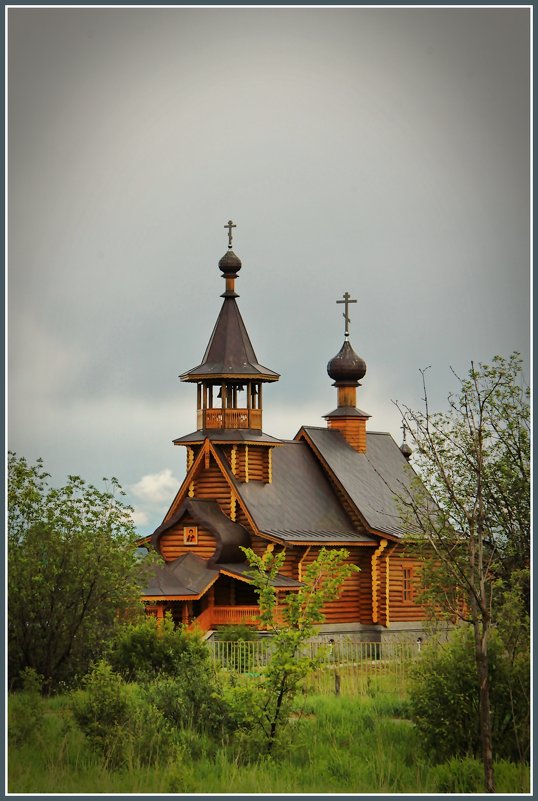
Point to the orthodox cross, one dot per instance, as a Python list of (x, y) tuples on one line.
[(347, 300), (229, 225), (404, 429)]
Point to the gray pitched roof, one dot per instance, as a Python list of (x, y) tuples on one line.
[(188, 575), (299, 505), (373, 480), (247, 435), (241, 571), (230, 350)]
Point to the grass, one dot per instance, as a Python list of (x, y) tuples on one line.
[(336, 745)]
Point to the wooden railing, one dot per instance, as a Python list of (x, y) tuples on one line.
[(228, 616), (233, 418), (203, 621)]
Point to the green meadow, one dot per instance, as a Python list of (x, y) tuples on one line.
[(361, 744)]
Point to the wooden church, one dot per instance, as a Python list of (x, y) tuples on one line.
[(328, 487)]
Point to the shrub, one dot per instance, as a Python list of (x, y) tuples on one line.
[(26, 709), (237, 633), (460, 776), (148, 738), (242, 714), (191, 699), (118, 721), (445, 699), (141, 651), (102, 711)]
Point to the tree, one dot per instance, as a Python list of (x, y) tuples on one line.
[(292, 624), (470, 514), (72, 570)]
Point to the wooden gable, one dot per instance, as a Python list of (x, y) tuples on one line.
[(187, 536)]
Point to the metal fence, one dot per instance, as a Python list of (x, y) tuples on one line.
[(346, 667)]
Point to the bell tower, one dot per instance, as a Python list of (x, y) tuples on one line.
[(229, 379)]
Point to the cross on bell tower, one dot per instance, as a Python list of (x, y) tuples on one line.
[(229, 225)]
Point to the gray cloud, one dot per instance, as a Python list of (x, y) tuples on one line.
[(380, 151)]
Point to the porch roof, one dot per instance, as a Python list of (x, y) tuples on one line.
[(189, 577), (241, 571), (186, 577)]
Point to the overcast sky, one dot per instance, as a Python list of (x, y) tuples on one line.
[(383, 152)]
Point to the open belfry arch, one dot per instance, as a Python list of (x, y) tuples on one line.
[(328, 487)]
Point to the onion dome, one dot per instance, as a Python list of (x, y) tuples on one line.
[(406, 450), (346, 366), (230, 264), (404, 447)]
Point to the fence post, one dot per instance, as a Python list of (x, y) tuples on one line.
[(336, 683)]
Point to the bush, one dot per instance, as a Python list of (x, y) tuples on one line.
[(191, 699), (460, 776), (119, 722), (102, 711), (242, 715), (237, 633), (175, 668), (148, 738), (445, 699), (26, 710), (142, 651)]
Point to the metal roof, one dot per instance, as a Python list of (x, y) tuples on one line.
[(188, 575), (373, 480), (242, 570), (230, 352), (246, 435), (347, 411), (299, 505)]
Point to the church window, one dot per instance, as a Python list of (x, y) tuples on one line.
[(407, 584)]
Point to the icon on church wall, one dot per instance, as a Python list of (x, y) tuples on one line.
[(190, 535)]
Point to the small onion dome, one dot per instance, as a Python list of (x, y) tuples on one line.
[(346, 365), (230, 264), (406, 450)]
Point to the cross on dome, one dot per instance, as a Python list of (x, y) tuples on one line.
[(347, 300), (229, 225)]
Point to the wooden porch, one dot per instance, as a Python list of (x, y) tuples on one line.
[(212, 616), (215, 616)]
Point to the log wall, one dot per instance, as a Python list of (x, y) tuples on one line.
[(171, 542), (210, 484), (404, 583), (348, 607), (353, 429), (252, 463), (396, 590)]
